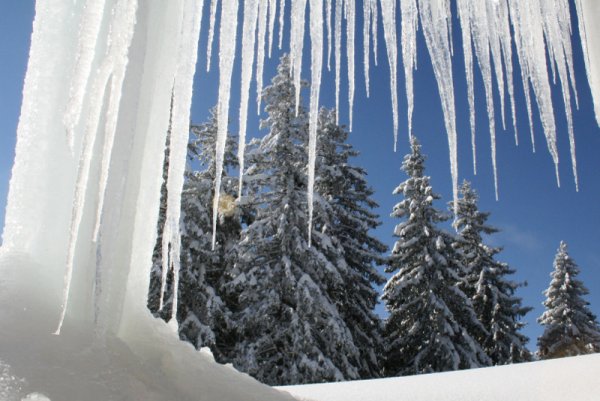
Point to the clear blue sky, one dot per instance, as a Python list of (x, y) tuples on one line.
[(533, 214)]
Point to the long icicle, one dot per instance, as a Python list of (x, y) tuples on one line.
[(388, 13), (227, 42), (260, 56), (248, 42), (119, 49), (211, 32), (338, 55), (410, 21), (316, 50), (182, 102), (435, 22), (88, 36), (350, 32)]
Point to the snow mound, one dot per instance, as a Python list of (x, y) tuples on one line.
[(574, 379), (82, 365)]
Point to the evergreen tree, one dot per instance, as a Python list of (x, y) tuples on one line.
[(202, 315), (347, 219), (431, 319), (288, 328), (570, 327), (486, 284)]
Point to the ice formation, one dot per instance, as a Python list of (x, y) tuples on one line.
[(248, 42), (227, 40), (109, 346), (114, 69), (316, 41)]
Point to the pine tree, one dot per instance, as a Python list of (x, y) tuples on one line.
[(202, 315), (570, 327), (486, 284), (347, 220), (288, 327), (430, 321)]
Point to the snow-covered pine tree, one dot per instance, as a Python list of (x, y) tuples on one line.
[(289, 329), (430, 321), (486, 284), (570, 327), (202, 315), (348, 219)]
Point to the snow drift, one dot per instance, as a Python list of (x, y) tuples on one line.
[(573, 379)]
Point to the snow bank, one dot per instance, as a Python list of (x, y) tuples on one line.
[(81, 365), (573, 379)]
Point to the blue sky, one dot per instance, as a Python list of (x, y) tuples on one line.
[(533, 214)]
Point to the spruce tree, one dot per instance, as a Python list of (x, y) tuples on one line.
[(570, 328), (430, 318), (348, 219), (486, 284), (288, 327), (203, 316)]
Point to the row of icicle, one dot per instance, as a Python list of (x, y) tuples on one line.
[(540, 29)]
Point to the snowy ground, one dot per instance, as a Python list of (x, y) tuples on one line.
[(572, 379)]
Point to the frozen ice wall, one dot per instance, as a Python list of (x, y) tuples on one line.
[(82, 208)]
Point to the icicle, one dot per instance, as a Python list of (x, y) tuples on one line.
[(281, 21), (227, 40), (167, 229), (388, 13), (503, 26), (260, 57), (272, 15), (329, 32), (297, 44), (83, 172), (211, 32), (248, 42), (585, 17), (434, 21), (495, 47), (350, 27), (119, 49), (557, 30), (113, 67), (482, 41), (182, 102), (316, 46), (88, 34), (338, 56), (366, 41), (464, 15), (528, 25), (409, 15), (374, 22)]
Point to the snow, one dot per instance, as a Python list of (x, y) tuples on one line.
[(553, 380)]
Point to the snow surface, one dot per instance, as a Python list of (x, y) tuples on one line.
[(573, 379)]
